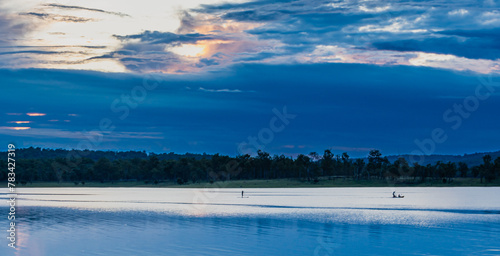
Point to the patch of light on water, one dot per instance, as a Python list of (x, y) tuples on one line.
[(421, 206)]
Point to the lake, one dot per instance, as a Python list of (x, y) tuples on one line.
[(292, 221)]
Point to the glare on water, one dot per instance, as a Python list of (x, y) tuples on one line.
[(294, 221)]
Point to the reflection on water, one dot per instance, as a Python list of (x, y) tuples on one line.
[(295, 222)]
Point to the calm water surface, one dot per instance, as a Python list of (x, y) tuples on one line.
[(317, 221)]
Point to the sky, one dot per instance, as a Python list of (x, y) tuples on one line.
[(286, 77)]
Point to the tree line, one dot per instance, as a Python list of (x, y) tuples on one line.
[(182, 169)]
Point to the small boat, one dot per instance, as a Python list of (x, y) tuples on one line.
[(399, 195)]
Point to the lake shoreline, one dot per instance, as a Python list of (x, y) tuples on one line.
[(273, 183)]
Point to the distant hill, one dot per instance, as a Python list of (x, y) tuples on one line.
[(470, 159), (43, 153)]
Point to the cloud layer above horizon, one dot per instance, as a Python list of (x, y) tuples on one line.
[(458, 35)]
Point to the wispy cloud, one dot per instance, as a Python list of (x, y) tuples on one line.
[(12, 28), (19, 122), (6, 128), (65, 134), (58, 18), (38, 52), (35, 114), (73, 7), (220, 90), (156, 37)]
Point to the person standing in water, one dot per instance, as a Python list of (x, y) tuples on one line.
[(242, 194), (394, 194)]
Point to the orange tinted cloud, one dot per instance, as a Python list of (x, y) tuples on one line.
[(36, 114), (19, 122), (223, 27), (16, 128)]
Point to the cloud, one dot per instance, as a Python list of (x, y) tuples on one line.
[(187, 22), (82, 135), (23, 43), (4, 128), (362, 28), (207, 62), (13, 29), (140, 57), (154, 51), (214, 37), (56, 46), (58, 18), (220, 90), (36, 114), (19, 122), (38, 52), (156, 37), (459, 12), (376, 9), (472, 48), (251, 15), (27, 27), (72, 7)]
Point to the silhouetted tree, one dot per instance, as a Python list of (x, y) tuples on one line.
[(374, 163), (463, 169), (327, 162)]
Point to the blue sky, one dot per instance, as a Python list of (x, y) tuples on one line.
[(200, 76)]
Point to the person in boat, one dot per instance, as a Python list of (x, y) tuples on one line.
[(394, 194)]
